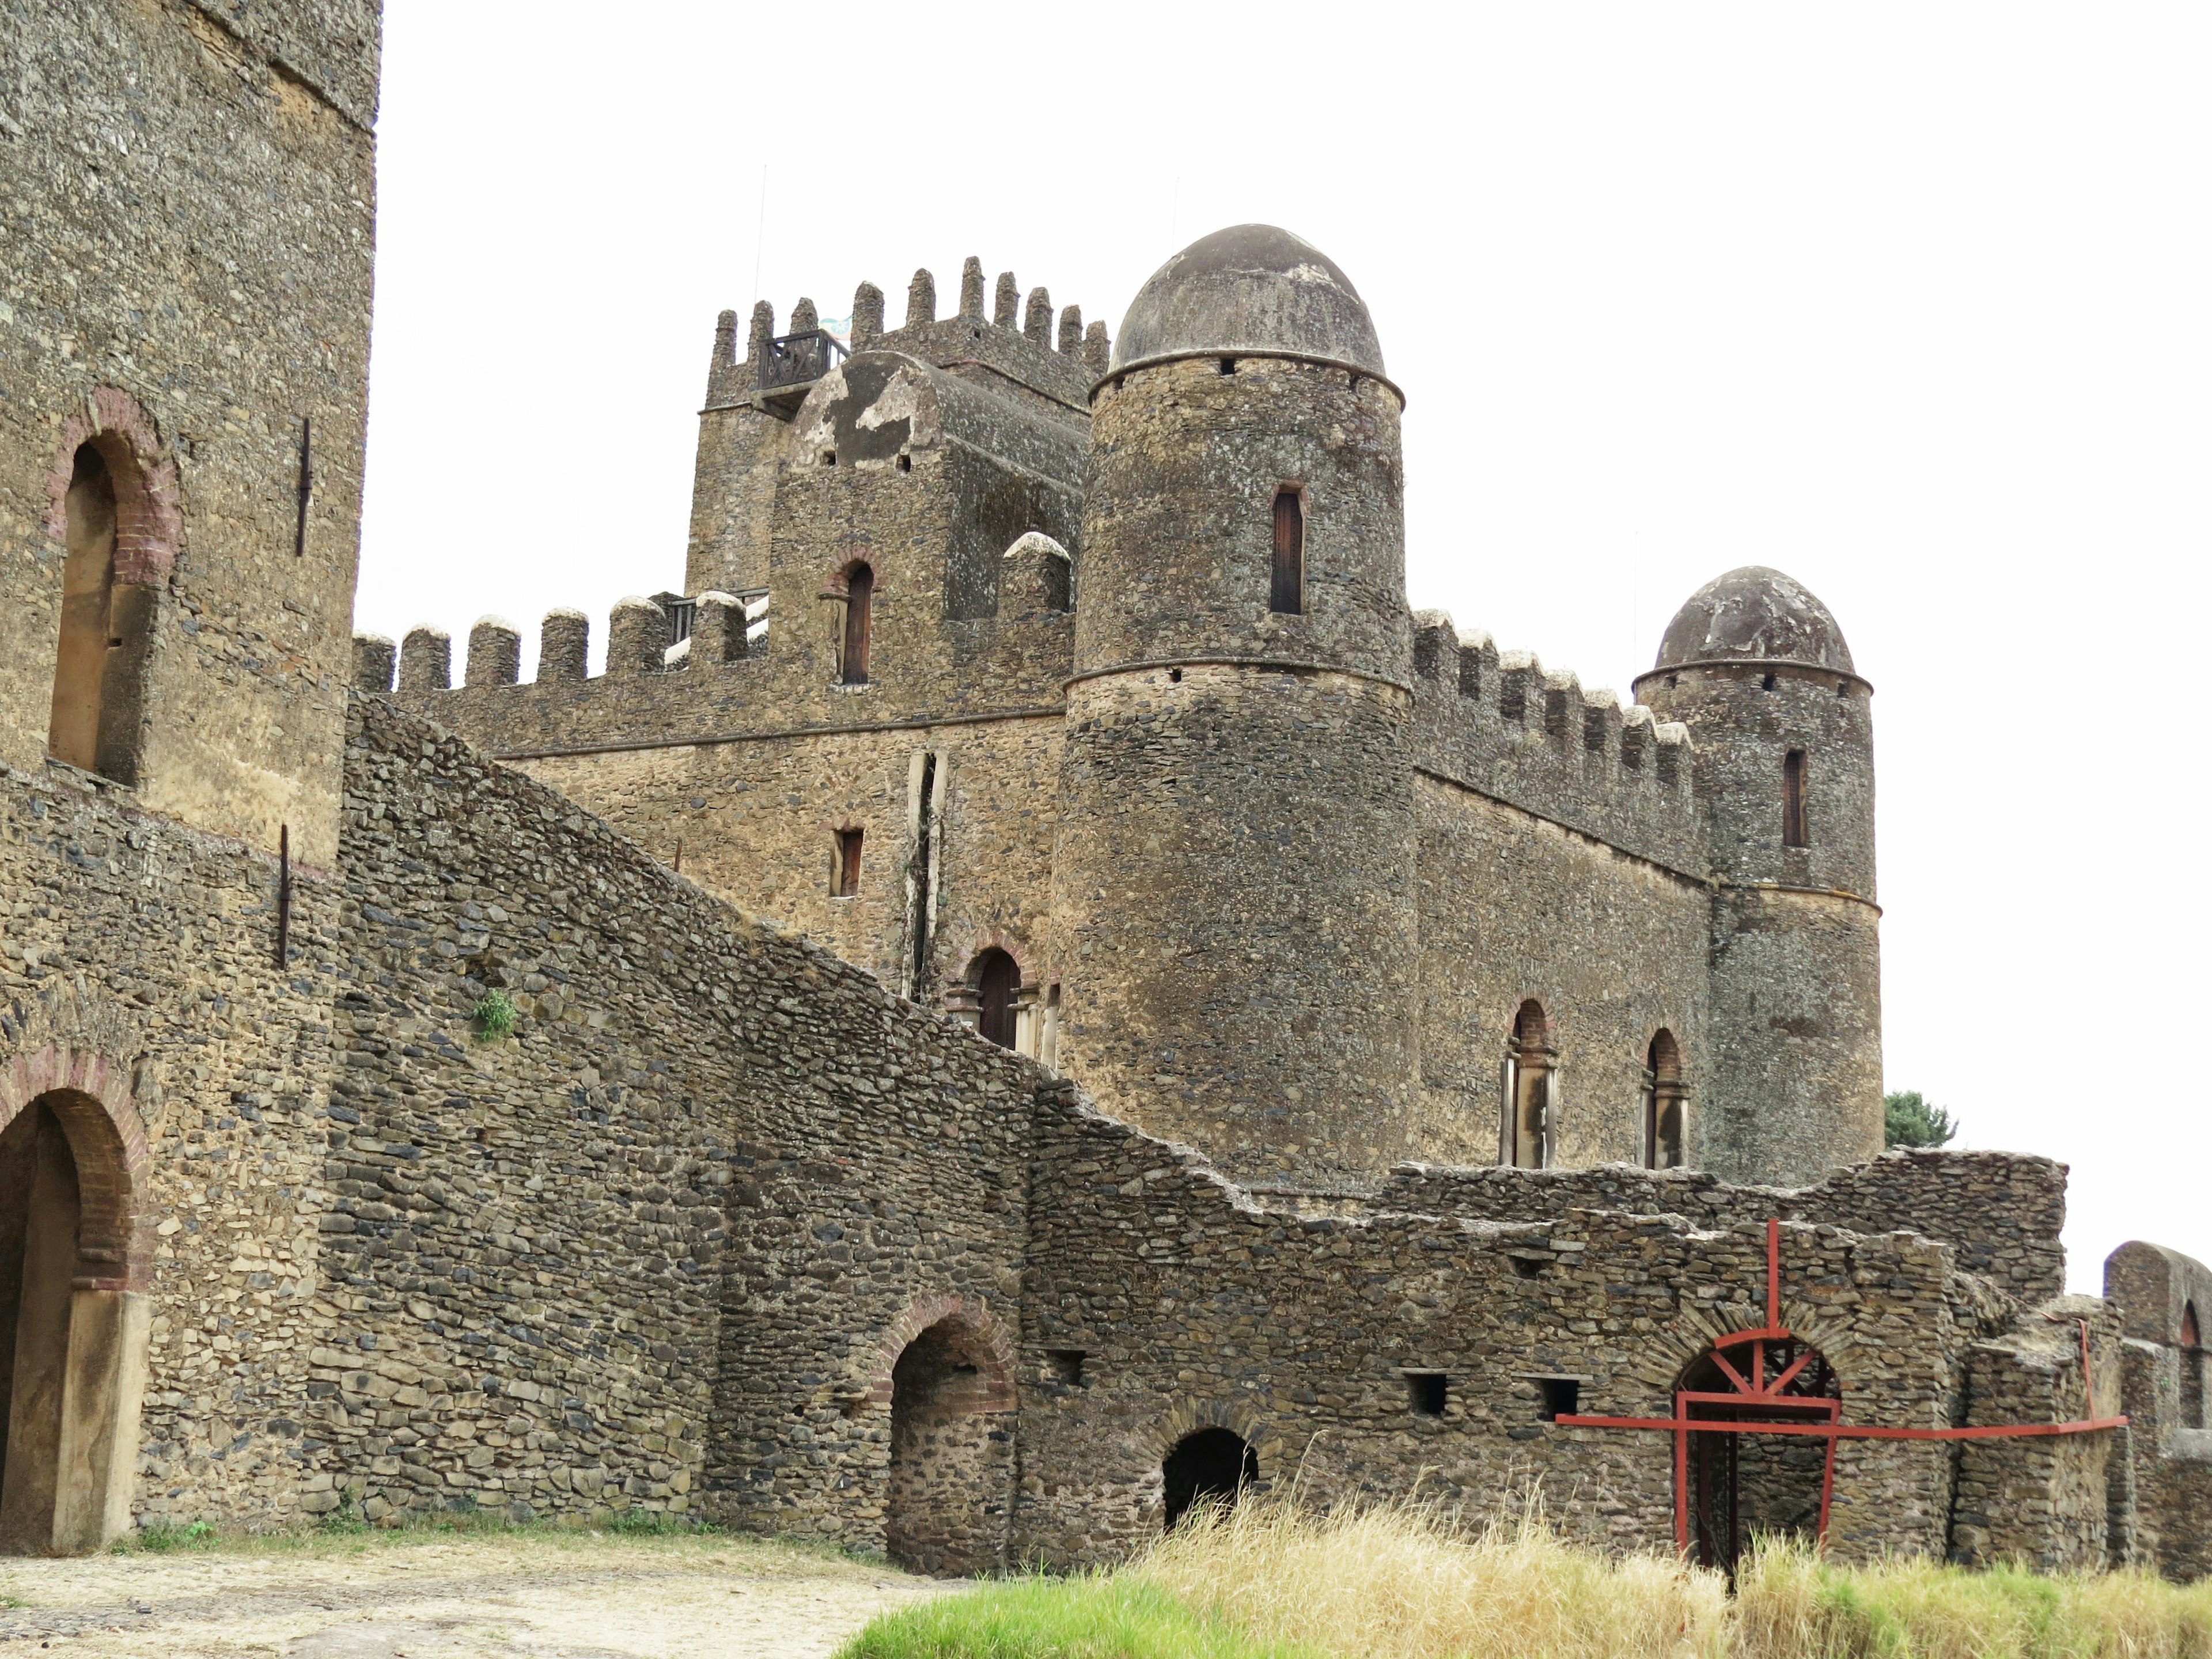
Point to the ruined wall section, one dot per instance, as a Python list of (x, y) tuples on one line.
[(2162, 1297), (645, 1249), (1999, 1213), (191, 321), (1175, 1303), (2043, 1502), (1513, 907), (153, 943)]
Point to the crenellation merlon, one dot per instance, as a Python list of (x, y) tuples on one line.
[(1499, 723)]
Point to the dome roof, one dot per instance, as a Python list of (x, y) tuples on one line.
[(1754, 614), (1250, 288)]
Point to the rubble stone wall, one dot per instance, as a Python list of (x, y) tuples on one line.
[(2001, 1213), (649, 1246), (152, 945), (1191, 1305)]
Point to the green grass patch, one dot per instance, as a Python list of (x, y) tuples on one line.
[(1085, 1617)]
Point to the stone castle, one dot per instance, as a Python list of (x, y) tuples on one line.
[(1035, 992)]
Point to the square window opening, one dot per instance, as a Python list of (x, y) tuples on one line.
[(1425, 1393), (1562, 1396), (1066, 1366)]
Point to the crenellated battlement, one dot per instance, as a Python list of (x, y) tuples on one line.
[(1498, 723), (1040, 352)]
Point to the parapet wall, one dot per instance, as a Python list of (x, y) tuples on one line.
[(2001, 1213), (1499, 724)]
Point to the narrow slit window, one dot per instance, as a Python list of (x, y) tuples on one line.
[(845, 881), (859, 601), (1286, 591), (1793, 800)]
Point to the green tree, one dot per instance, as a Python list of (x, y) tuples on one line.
[(1909, 1120)]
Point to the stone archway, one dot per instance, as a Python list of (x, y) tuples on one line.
[(74, 1312), (952, 1400)]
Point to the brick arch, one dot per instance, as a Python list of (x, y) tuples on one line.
[(1532, 1029), (994, 1346), (987, 941), (92, 1095), (149, 520), (1242, 1417)]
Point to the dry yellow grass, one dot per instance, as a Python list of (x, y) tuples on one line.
[(1402, 1582)]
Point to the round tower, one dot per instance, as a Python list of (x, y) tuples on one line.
[(1782, 732), (1233, 891)]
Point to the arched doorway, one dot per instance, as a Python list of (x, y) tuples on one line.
[(998, 980), (72, 1340), (1741, 1484), (1208, 1467), (951, 1452)]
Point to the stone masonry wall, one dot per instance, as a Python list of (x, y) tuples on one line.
[(1999, 1213), (707, 1150), (1611, 944), (130, 934), (1178, 1303), (197, 179)]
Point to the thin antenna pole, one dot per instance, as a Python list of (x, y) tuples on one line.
[(760, 232)]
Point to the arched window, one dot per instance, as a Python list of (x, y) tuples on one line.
[(93, 722), (1286, 585), (1793, 800), (1530, 1101), (951, 1460), (859, 602), (1664, 1129), (1210, 1467), (2192, 1369), (997, 979)]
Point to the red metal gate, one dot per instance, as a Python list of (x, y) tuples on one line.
[(1759, 1400)]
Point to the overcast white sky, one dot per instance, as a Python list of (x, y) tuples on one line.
[(1909, 300)]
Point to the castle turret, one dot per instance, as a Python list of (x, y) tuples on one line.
[(1233, 886), (1757, 669)]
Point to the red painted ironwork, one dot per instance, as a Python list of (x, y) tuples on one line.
[(1803, 1372)]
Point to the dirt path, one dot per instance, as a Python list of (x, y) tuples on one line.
[(554, 1596)]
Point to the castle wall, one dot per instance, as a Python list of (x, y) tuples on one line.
[(650, 1248), (2001, 1213), (1192, 1306), (756, 825), (189, 317), (145, 949), (1515, 906)]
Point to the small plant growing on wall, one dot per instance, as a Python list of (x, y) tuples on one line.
[(494, 1016)]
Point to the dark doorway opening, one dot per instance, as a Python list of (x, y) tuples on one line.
[(952, 1453), (38, 1257), (1743, 1486), (1209, 1468), (997, 979)]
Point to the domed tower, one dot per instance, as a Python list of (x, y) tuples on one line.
[(1233, 893), (1783, 736)]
